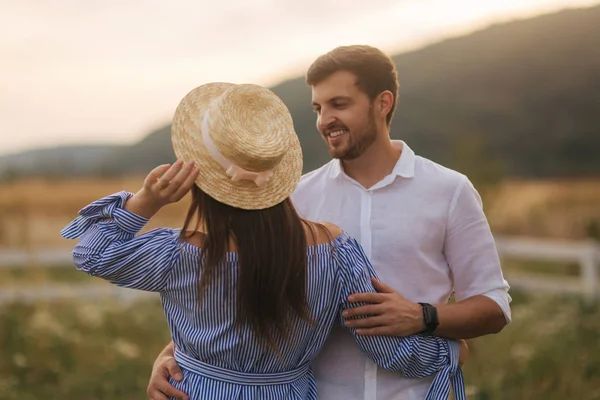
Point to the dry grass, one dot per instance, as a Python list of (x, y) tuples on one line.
[(551, 208), (32, 212)]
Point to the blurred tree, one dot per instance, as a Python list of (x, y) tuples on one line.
[(593, 229), (470, 155)]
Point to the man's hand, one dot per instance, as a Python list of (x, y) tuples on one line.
[(388, 314), (164, 367), (164, 184)]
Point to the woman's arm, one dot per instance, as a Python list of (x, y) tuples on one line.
[(107, 228), (415, 356)]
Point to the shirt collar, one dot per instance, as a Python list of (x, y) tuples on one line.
[(405, 166)]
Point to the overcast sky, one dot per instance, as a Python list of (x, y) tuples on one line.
[(82, 71)]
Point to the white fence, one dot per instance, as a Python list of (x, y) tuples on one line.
[(48, 257), (585, 253)]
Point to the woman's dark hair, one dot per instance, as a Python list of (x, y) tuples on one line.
[(271, 249)]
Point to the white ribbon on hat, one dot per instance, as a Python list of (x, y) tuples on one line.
[(232, 170)]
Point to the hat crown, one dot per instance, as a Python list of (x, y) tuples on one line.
[(242, 139), (250, 126)]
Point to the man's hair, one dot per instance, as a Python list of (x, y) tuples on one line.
[(374, 70)]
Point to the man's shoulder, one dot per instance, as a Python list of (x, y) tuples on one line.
[(437, 173), (312, 179)]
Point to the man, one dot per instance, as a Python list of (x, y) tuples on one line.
[(421, 224)]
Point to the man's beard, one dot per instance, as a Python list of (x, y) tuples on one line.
[(358, 142)]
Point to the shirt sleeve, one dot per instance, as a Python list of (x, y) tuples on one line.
[(109, 248), (471, 251), (415, 356)]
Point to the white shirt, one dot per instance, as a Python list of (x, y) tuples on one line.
[(425, 232)]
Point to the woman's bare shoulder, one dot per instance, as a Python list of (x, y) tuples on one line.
[(322, 232)]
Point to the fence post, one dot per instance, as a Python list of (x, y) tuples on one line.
[(589, 274)]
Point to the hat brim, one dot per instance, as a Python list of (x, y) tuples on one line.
[(186, 136)]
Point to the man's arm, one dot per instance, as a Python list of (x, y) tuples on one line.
[(470, 318), (164, 367), (483, 303), (391, 314)]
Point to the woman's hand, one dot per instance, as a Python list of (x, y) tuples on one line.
[(164, 185)]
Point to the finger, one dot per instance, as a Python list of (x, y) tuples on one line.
[(164, 388), (370, 322), (155, 174), (154, 394), (171, 172), (181, 176), (378, 331), (190, 180), (382, 287), (153, 391), (367, 298), (362, 311), (174, 370)]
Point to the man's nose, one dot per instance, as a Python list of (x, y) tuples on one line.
[(325, 119)]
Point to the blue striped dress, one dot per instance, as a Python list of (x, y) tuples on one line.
[(220, 361)]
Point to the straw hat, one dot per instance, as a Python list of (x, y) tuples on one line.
[(242, 139)]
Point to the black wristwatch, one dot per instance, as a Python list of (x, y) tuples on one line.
[(430, 316)]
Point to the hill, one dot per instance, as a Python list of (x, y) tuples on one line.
[(519, 100)]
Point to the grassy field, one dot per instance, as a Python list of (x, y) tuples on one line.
[(86, 350), (98, 350), (551, 351), (90, 350)]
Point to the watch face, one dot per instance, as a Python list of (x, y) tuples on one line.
[(430, 315)]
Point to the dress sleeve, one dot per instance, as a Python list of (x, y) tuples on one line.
[(415, 356), (109, 248)]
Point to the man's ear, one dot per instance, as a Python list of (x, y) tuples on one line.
[(385, 102)]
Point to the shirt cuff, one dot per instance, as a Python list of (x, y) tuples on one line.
[(107, 207), (503, 299), (129, 221)]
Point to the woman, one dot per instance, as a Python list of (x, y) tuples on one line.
[(249, 289)]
